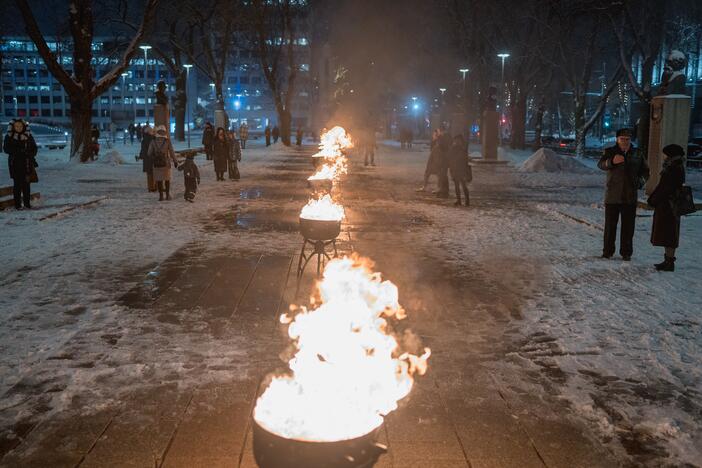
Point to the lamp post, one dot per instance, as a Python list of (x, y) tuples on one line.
[(187, 67), (463, 72), (146, 48), (502, 56)]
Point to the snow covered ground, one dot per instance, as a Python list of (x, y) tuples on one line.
[(616, 342)]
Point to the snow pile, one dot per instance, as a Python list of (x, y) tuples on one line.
[(546, 160), (113, 157)]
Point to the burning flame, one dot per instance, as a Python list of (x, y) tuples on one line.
[(331, 170), (322, 209), (347, 372), (333, 141)]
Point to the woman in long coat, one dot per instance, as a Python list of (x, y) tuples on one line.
[(234, 157), (666, 226), (460, 170), (220, 151), (21, 148), (162, 156), (146, 163)]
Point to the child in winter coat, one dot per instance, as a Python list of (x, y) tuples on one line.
[(191, 176)]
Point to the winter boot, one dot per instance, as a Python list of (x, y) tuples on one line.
[(668, 264)]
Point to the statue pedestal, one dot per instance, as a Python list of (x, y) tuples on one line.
[(670, 119), (162, 116), (490, 134)]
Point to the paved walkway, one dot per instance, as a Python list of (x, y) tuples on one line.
[(458, 414)]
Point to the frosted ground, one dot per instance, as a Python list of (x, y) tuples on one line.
[(617, 342)]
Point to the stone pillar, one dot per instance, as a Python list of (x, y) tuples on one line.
[(490, 134), (162, 116), (670, 121)]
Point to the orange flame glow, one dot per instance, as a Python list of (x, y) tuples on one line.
[(322, 209), (348, 371)]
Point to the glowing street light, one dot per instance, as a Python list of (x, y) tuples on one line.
[(443, 90), (503, 56), (463, 72), (187, 67)]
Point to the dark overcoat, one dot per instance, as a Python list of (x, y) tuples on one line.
[(623, 179), (221, 155), (21, 150), (666, 226)]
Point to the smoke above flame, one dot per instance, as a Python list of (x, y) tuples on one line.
[(348, 370)]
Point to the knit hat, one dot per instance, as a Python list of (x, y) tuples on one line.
[(673, 151), (624, 132)]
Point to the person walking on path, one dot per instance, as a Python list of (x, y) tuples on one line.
[(220, 153), (267, 133), (95, 141), (208, 137), (444, 144), (138, 130), (666, 226), (147, 163), (191, 177), (369, 146), (243, 134), (162, 156), (276, 134), (627, 171), (432, 167), (21, 149), (234, 157), (132, 131), (461, 172), (298, 137)]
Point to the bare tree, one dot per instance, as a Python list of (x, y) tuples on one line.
[(273, 26), (582, 45), (79, 83), (639, 27)]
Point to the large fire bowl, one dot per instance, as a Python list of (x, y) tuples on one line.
[(319, 230), (274, 451)]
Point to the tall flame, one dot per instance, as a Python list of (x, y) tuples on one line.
[(322, 209), (348, 371), (331, 146)]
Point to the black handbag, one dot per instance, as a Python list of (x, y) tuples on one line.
[(683, 203)]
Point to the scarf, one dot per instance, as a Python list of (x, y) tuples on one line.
[(670, 162)]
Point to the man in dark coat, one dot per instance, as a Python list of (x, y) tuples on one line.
[(208, 138), (444, 143), (147, 163), (666, 226), (460, 170), (276, 134), (267, 133), (21, 148), (627, 171)]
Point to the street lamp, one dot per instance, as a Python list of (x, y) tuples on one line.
[(464, 71), (146, 48), (503, 56), (187, 67)]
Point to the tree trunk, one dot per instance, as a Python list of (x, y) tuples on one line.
[(285, 125), (518, 124), (580, 130), (179, 106), (81, 116)]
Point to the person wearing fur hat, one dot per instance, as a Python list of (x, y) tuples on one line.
[(21, 148), (627, 171), (162, 156), (666, 226)]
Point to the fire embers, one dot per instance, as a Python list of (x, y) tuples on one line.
[(348, 371)]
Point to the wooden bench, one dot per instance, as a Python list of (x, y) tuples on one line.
[(7, 192)]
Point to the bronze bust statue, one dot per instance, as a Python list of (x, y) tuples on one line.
[(673, 79), (161, 98)]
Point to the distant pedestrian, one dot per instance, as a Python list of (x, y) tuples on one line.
[(191, 177), (369, 146), (627, 171), (132, 132), (208, 137), (461, 172), (113, 131), (409, 136), (234, 157), (666, 225), (95, 142), (139, 132), (276, 134), (243, 134), (220, 153), (162, 155), (21, 149), (444, 145), (267, 133), (147, 163), (298, 137)]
